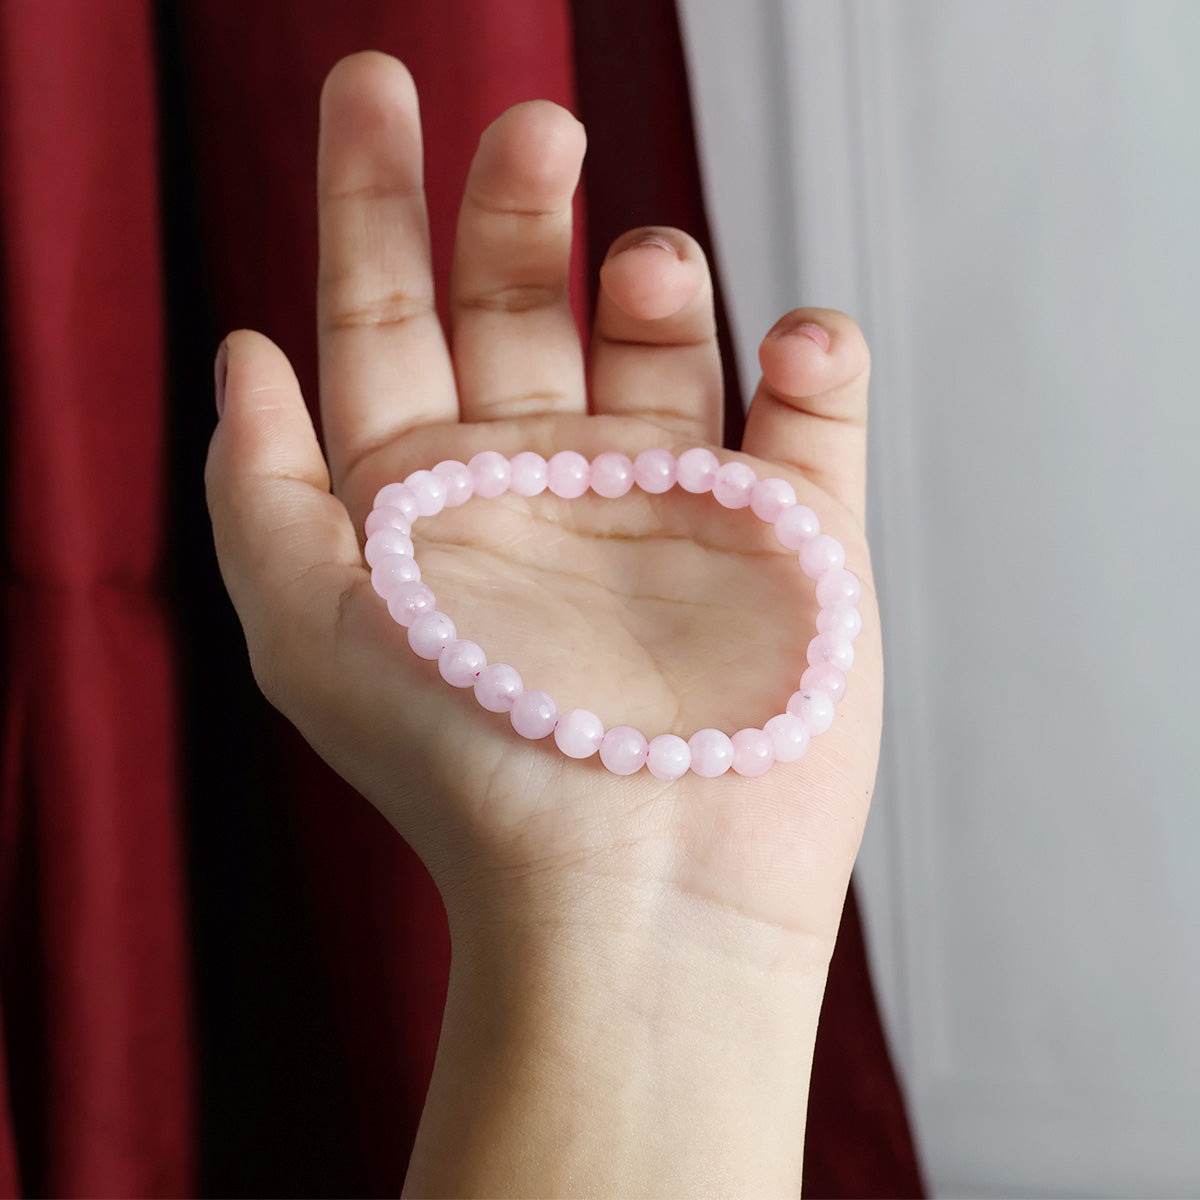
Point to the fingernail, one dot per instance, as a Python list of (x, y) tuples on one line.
[(653, 239), (808, 329), (220, 371)]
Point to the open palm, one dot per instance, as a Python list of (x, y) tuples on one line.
[(664, 612)]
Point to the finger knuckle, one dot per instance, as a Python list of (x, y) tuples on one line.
[(348, 307), (515, 298)]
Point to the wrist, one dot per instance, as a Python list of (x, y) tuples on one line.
[(624, 1040)]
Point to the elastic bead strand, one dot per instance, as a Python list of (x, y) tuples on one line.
[(578, 733)]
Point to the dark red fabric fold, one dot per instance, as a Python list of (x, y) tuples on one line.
[(93, 948)]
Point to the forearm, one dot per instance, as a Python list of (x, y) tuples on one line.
[(622, 1046)]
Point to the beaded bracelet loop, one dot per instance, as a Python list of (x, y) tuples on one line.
[(498, 687)]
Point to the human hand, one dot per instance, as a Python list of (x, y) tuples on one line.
[(569, 890), (668, 612)]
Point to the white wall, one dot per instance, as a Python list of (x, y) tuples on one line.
[(1007, 197)]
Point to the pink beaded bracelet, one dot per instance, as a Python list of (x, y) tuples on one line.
[(498, 687)]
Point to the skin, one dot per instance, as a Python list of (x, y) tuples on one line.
[(637, 965)]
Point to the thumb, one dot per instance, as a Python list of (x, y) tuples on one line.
[(286, 547)]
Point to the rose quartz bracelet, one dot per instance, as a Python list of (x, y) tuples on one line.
[(579, 733)]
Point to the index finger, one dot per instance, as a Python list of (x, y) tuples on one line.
[(385, 366)]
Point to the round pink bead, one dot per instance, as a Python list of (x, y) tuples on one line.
[(733, 485), (712, 752), (623, 750), (770, 498), (813, 707), (460, 662), (527, 474), (789, 735), (824, 677), (497, 686), (490, 473), (430, 634), (429, 491), (579, 733), (534, 715), (841, 619), (396, 495), (668, 757), (796, 525), (391, 571), (697, 469), (568, 474), (457, 479), (612, 474), (386, 518), (820, 554), (838, 587), (384, 542), (409, 601), (753, 751), (654, 471), (829, 648)]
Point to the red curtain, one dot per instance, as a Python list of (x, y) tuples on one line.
[(93, 952), (220, 970)]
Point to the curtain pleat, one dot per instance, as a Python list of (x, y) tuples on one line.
[(93, 947)]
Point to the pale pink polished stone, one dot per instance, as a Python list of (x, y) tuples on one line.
[(491, 474), (430, 634), (391, 571), (820, 554), (825, 677), (712, 752), (796, 525), (813, 707), (409, 601), (838, 587), (386, 518), (697, 469), (498, 686), (753, 751), (832, 649), (396, 495), (623, 750), (429, 490), (534, 715), (841, 619), (568, 474), (668, 757), (612, 474), (384, 542), (579, 733), (528, 474), (460, 662), (790, 736), (654, 472), (734, 484), (457, 478), (770, 498)]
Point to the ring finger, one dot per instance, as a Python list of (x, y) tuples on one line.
[(654, 349)]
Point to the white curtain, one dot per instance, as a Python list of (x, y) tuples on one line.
[(1007, 197)]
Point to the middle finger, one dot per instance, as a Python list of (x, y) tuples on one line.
[(516, 346)]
